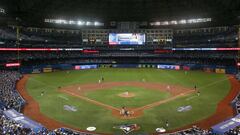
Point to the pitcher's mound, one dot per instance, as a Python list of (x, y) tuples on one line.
[(126, 95)]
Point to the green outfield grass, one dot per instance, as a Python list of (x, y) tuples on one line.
[(213, 87)]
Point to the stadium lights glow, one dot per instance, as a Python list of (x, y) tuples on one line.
[(80, 23), (97, 23), (174, 22), (165, 23), (88, 23), (72, 22), (17, 64), (183, 21), (2, 10)]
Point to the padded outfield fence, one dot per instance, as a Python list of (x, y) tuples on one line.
[(50, 68)]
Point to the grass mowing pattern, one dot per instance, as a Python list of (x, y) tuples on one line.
[(213, 87)]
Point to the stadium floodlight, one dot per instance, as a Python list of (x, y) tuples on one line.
[(183, 21), (96, 23), (173, 22), (61, 21), (88, 23), (48, 20), (72, 22), (165, 23), (200, 20), (158, 23), (2, 10), (80, 23), (58, 21), (208, 19), (191, 21)]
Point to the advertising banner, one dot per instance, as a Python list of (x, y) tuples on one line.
[(82, 67), (220, 70), (12, 113), (25, 121), (208, 70), (47, 70), (36, 71), (173, 67), (17, 64), (227, 125)]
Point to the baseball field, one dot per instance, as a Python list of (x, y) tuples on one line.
[(86, 98)]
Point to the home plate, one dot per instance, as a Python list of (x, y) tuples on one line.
[(91, 128), (160, 130)]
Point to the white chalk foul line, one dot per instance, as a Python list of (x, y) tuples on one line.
[(65, 98), (92, 101), (214, 83), (192, 97)]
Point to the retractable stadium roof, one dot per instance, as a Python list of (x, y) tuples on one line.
[(122, 10)]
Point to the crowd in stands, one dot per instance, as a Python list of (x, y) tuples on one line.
[(173, 61), (193, 131), (182, 61), (198, 131), (210, 38), (58, 37), (78, 54), (235, 131), (236, 103), (67, 131), (36, 37), (10, 98), (221, 58), (9, 127), (238, 76)]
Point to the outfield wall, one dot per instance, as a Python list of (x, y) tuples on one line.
[(51, 68)]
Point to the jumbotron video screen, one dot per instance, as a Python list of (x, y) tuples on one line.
[(126, 39)]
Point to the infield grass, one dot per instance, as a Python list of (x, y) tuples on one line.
[(142, 96)]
